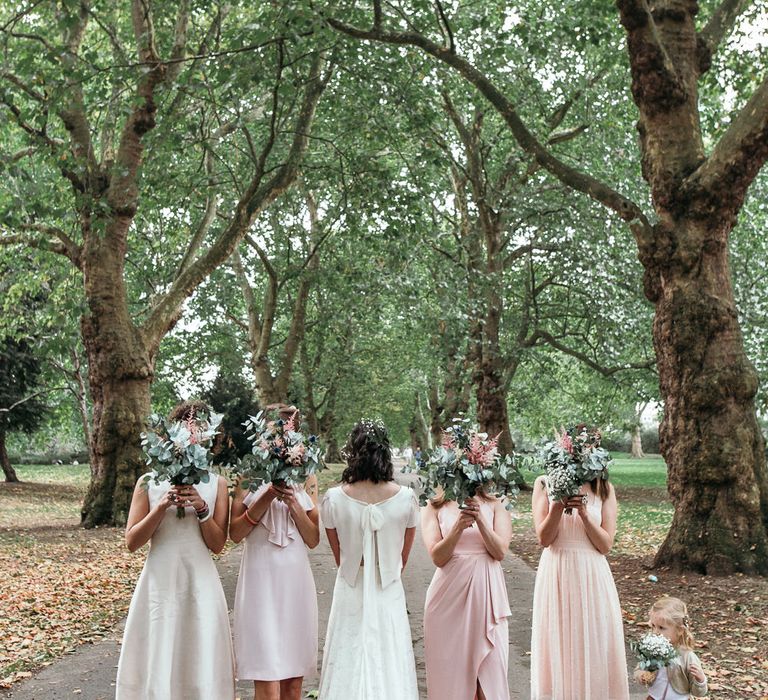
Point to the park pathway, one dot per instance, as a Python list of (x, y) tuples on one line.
[(89, 672)]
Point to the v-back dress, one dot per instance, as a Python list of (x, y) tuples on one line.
[(177, 643), (577, 643), (467, 609), (368, 651)]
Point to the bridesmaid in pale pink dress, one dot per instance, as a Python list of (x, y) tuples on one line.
[(577, 644), (275, 620), (466, 637)]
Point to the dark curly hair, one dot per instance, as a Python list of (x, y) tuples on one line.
[(368, 454)]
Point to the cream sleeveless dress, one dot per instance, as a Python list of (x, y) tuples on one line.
[(177, 643)]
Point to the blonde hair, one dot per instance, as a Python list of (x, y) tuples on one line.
[(675, 611)]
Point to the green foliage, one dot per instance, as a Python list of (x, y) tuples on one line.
[(19, 384), (230, 396)]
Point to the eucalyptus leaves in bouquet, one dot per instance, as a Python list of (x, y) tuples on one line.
[(280, 453), (573, 458), (466, 462), (180, 451)]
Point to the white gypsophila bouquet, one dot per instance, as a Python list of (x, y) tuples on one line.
[(465, 462), (180, 451), (653, 651), (574, 458), (281, 453)]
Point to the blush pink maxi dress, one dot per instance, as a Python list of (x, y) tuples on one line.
[(577, 643), (466, 635)]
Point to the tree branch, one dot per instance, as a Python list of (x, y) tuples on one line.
[(549, 339), (739, 154), (580, 181), (62, 245), (253, 201), (719, 26), (179, 48)]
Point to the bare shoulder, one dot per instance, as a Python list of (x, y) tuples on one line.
[(142, 483)]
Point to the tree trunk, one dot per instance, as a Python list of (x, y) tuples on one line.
[(82, 400), (5, 462), (493, 416), (436, 414), (332, 451), (637, 442), (120, 372), (709, 435)]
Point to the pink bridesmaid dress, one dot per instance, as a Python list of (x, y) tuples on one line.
[(275, 627), (466, 637), (577, 643)]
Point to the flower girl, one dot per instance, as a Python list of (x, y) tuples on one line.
[(683, 676)]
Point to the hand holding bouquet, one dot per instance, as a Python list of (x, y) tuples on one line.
[(281, 454), (653, 652), (179, 451), (466, 461), (574, 458)]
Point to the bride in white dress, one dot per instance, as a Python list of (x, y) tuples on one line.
[(371, 523), (177, 643)]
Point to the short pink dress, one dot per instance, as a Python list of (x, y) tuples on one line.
[(275, 626), (466, 637), (577, 644)]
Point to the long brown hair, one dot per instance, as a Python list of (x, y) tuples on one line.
[(600, 487)]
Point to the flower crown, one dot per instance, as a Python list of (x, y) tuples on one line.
[(375, 432)]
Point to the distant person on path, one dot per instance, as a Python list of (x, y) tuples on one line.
[(177, 643), (417, 456), (371, 523), (577, 644), (684, 677), (275, 617), (466, 636)]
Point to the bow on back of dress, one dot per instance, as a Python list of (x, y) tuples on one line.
[(372, 520)]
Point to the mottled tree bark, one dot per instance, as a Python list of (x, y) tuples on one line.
[(709, 435)]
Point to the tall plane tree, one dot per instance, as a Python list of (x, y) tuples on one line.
[(709, 435), (99, 95)]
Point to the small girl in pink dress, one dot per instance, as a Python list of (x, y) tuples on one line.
[(684, 676), (466, 638), (577, 641)]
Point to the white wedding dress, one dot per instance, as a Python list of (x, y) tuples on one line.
[(177, 644), (368, 651)]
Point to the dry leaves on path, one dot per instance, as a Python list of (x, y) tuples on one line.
[(61, 587)]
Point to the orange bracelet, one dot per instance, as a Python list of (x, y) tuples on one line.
[(253, 523)]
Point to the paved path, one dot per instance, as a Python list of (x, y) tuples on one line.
[(89, 673)]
